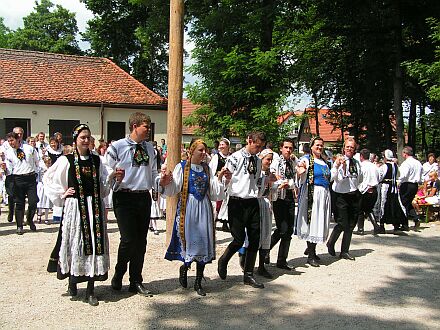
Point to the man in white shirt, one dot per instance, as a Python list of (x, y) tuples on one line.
[(368, 190), (410, 177), (21, 166), (131, 199), (243, 209), (41, 142), (346, 175), (284, 206)]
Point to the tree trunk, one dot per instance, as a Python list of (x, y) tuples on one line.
[(412, 121), (423, 128), (398, 79), (175, 91)]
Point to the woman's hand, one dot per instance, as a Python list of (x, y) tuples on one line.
[(165, 179), (224, 172), (119, 174), (301, 168), (69, 192)]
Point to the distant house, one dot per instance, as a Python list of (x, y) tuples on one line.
[(188, 131), (53, 92), (303, 131)]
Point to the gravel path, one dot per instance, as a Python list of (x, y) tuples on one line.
[(394, 283)]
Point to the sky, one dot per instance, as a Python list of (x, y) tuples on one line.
[(13, 12)]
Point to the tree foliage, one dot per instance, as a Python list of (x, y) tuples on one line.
[(48, 30), (134, 33), (5, 34)]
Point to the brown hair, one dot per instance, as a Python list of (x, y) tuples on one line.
[(138, 118)]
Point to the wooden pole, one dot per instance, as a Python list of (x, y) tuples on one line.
[(175, 89)]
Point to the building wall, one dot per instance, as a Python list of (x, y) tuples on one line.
[(40, 115)]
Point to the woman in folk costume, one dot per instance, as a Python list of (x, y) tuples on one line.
[(314, 204), (193, 233), (217, 162), (391, 208), (77, 181)]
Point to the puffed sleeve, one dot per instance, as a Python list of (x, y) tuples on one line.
[(105, 183), (175, 186), (55, 181), (301, 179), (216, 189)]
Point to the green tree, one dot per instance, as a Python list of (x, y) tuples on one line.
[(5, 33), (134, 33), (241, 84), (47, 30)]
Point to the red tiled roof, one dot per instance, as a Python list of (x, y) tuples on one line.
[(326, 129), (188, 108), (282, 118), (47, 77)]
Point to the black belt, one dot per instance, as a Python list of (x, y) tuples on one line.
[(241, 199), (133, 191), (27, 174)]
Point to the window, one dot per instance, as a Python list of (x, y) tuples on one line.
[(10, 123), (65, 127), (115, 130)]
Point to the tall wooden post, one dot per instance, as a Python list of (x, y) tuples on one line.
[(175, 89)]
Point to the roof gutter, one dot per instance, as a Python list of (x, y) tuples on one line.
[(162, 106)]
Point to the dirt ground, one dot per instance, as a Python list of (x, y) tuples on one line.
[(394, 283)]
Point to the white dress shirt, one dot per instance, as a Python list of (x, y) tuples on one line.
[(410, 171), (370, 174), (243, 184), (19, 167), (343, 181), (427, 167), (120, 155)]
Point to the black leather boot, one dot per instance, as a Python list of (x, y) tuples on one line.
[(283, 252), (374, 223), (30, 218), (198, 282), (72, 289), (337, 230), (19, 217), (241, 259), (261, 269), (183, 276), (311, 260), (248, 277), (90, 295), (222, 266), (360, 224)]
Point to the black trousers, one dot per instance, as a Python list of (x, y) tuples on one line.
[(25, 186), (244, 216), (407, 192), (284, 213), (348, 207), (132, 211), (367, 202)]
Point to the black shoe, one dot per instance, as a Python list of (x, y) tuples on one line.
[(267, 259), (312, 262), (10, 218), (72, 290), (92, 300), (20, 231), (404, 228), (284, 266), (316, 258), (140, 289), (33, 227), (249, 279), (198, 287), (380, 230), (306, 252), (346, 255), (360, 232), (225, 227), (116, 283), (416, 224), (183, 276), (263, 272), (222, 268), (331, 250)]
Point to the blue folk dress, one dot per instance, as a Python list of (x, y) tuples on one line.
[(199, 230)]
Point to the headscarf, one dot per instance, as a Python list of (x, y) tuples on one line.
[(78, 129), (264, 153), (388, 154)]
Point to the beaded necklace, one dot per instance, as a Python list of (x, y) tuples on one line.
[(83, 209), (311, 187)]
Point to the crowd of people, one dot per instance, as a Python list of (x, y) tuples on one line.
[(246, 189)]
